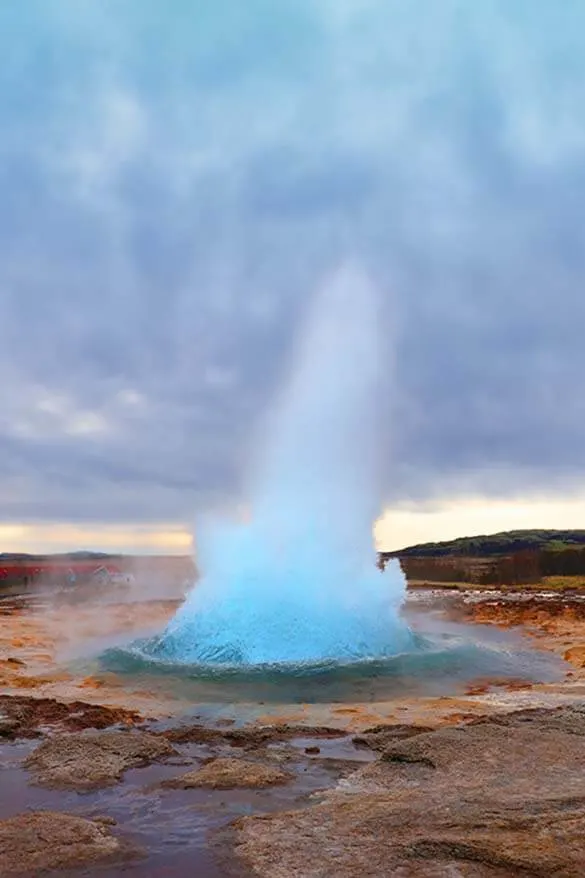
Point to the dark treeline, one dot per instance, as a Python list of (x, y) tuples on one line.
[(525, 567), (511, 558)]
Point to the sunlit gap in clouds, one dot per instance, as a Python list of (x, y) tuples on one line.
[(448, 518), (398, 527), (126, 538)]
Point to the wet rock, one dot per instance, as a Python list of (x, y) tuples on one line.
[(477, 689), (497, 797), (8, 727), (28, 716), (249, 738), (378, 737), (195, 734), (36, 842), (228, 774), (281, 753), (105, 820), (312, 751), (12, 662), (90, 760), (569, 719), (539, 611)]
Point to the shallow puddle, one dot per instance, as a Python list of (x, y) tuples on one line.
[(176, 828)]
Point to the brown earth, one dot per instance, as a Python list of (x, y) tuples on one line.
[(37, 645), (24, 716), (557, 623), (499, 797)]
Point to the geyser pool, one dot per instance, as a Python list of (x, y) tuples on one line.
[(445, 658), (297, 583)]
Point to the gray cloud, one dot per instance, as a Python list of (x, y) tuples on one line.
[(176, 183)]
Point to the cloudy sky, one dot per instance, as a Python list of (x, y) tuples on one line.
[(178, 178)]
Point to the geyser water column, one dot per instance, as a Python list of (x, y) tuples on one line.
[(297, 583)]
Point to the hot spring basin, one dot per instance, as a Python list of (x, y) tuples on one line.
[(443, 661)]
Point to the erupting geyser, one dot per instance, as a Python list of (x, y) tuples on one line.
[(298, 582)]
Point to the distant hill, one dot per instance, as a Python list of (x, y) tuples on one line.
[(513, 557), (504, 543)]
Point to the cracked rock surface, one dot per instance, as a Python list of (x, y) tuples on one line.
[(498, 797), (90, 760), (229, 773), (38, 842)]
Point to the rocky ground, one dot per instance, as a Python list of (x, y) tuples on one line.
[(486, 782), (33, 843), (496, 797), (40, 640)]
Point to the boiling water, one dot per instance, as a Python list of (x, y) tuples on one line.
[(297, 583)]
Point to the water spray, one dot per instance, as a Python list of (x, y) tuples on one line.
[(298, 582)]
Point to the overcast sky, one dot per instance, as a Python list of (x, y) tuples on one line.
[(176, 179)]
